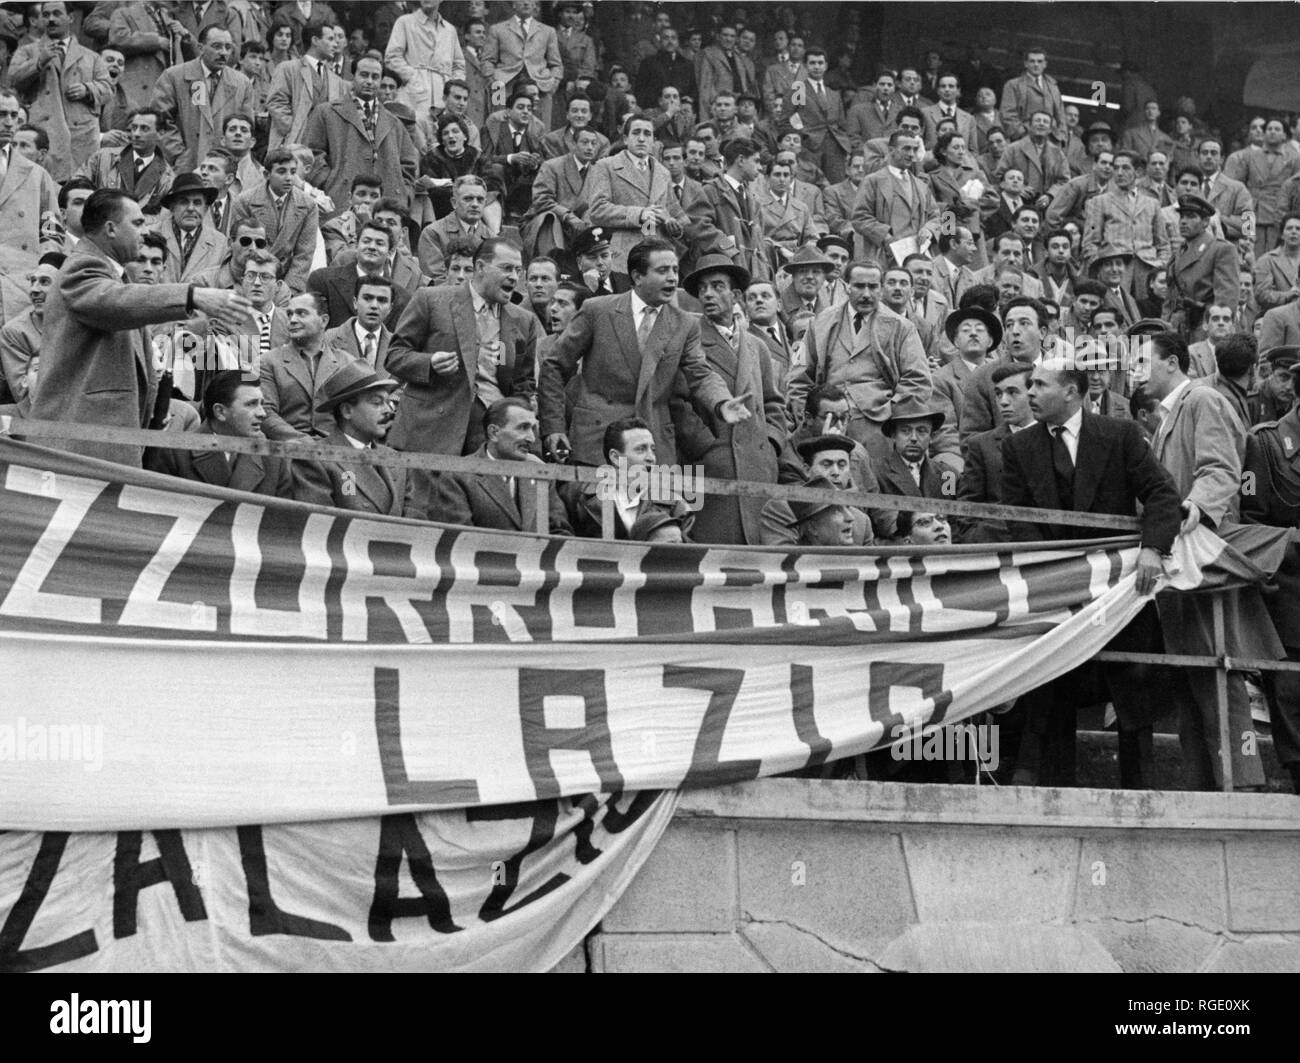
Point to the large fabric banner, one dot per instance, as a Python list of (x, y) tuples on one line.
[(287, 738)]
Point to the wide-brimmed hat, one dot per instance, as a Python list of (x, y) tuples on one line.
[(185, 184), (805, 511), (912, 410), (350, 381), (1107, 252), (715, 264), (973, 313), (814, 445), (807, 256)]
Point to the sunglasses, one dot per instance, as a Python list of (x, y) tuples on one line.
[(252, 241)]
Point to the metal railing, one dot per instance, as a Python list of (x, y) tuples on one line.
[(543, 475)]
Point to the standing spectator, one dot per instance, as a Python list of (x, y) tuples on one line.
[(237, 140), (951, 271), (613, 339), (20, 338), (782, 74), (559, 204), (289, 217), (630, 194), (1218, 323), (1034, 90), (424, 52), (198, 96), (514, 151), (338, 284), (193, 245), (721, 68), (973, 333), (300, 13), (820, 118), (254, 23), (744, 451), (95, 365), (477, 74), (1147, 136), (232, 406), (356, 135), (297, 87), (1277, 274), (1205, 271), (949, 89), (1041, 161), (1070, 201), (1263, 172), (1156, 179), (116, 109), (1129, 222), (199, 16), (787, 224), (152, 40), (524, 47), (139, 168), (577, 50), (728, 218), (871, 352), (362, 404), (895, 212), (877, 117), (1202, 444), (666, 68), (67, 84), (981, 474), (364, 335), (1230, 199), (1235, 359), (838, 200)]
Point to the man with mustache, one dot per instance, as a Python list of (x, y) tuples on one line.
[(361, 401)]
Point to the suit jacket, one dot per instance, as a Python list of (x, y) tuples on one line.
[(966, 127), (895, 478), (981, 481), (559, 194), (1202, 361), (474, 500), (337, 134), (344, 338), (820, 117), (745, 451), (1112, 404), (618, 379), (778, 353), (659, 70), (870, 120), (218, 14), (886, 210), (507, 54), (27, 195), (950, 281), (1232, 200), (289, 13), (439, 235), (1275, 275), (208, 253), (618, 192), (339, 286), (1114, 470), (720, 224), (1202, 443), (1264, 173), (498, 145), (777, 80), (72, 126), (1070, 201), (1040, 179), (380, 489), (1133, 225), (713, 74), (96, 361), (134, 31), (20, 344), (1281, 327), (435, 413), (255, 473), (289, 391), (182, 94), (1204, 272), (293, 237), (560, 142), (115, 168), (293, 98), (1021, 98)]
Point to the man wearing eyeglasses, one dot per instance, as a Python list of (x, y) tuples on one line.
[(289, 216)]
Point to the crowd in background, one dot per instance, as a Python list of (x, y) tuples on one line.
[(638, 235)]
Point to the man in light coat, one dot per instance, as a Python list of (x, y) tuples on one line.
[(298, 85), (28, 195), (894, 205), (1034, 90), (524, 46), (197, 97), (151, 39), (96, 361), (424, 52)]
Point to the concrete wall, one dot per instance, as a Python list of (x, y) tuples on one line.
[(794, 875)]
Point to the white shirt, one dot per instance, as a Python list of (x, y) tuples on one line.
[(639, 309), (1168, 403), (735, 185), (1071, 434), (479, 303), (361, 338), (356, 443), (900, 174)]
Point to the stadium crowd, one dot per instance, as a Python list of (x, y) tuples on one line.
[(608, 234)]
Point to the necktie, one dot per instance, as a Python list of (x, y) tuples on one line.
[(1206, 185), (190, 240), (772, 331), (214, 81), (369, 350), (677, 191), (216, 214), (4, 162), (819, 92), (370, 119), (264, 335), (1063, 466), (736, 85), (518, 135), (858, 318), (139, 167), (647, 325)]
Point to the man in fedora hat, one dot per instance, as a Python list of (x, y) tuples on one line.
[(193, 245), (1205, 272), (831, 459), (232, 406), (906, 468), (870, 351), (361, 402), (823, 523), (809, 272), (973, 332), (744, 451), (1110, 268)]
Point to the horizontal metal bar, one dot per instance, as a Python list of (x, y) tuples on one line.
[(307, 450), (1184, 660)]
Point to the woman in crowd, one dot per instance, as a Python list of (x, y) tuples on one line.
[(450, 158)]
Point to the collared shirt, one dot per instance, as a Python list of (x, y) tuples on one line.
[(509, 481), (487, 322), (430, 43), (142, 162), (356, 443), (900, 174), (639, 309), (736, 186), (1168, 403), (1071, 433), (914, 467), (361, 335)]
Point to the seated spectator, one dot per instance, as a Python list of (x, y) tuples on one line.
[(594, 258), (193, 245), (831, 459), (924, 529), (139, 168), (232, 406), (504, 503), (907, 468), (824, 523), (452, 156), (361, 402), (338, 284), (292, 376), (981, 475), (20, 338), (364, 335), (465, 223), (658, 526), (340, 231), (460, 264)]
